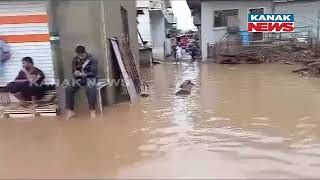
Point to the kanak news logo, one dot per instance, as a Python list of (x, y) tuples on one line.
[(271, 23)]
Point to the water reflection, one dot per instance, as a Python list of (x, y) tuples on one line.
[(246, 121)]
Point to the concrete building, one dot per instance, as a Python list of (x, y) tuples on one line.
[(68, 23), (214, 17), (155, 22), (91, 23), (306, 13)]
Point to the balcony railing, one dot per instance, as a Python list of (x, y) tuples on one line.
[(161, 5), (156, 4)]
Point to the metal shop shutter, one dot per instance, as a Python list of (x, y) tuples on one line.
[(24, 26)]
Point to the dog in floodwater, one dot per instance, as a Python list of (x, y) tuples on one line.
[(185, 88)]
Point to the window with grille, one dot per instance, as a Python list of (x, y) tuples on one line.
[(221, 17)]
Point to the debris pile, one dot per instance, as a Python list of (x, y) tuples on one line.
[(266, 52), (311, 68)]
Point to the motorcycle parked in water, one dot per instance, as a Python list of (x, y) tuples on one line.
[(195, 53)]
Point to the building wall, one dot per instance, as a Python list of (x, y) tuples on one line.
[(144, 26), (79, 23), (91, 23), (143, 3), (158, 33), (113, 27), (210, 34), (306, 13), (152, 25), (168, 47), (197, 18)]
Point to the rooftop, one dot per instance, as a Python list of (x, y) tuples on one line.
[(196, 4)]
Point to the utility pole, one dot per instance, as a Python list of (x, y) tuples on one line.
[(318, 33)]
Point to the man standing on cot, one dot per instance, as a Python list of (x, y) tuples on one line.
[(84, 69)]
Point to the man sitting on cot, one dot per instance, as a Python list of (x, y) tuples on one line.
[(28, 85), (84, 69)]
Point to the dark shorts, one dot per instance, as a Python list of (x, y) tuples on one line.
[(27, 91)]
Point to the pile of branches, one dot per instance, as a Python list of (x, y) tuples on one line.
[(267, 52), (311, 68)]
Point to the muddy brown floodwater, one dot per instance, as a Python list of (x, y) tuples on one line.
[(245, 121)]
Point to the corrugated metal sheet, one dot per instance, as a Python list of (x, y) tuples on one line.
[(16, 8), (19, 29), (39, 51)]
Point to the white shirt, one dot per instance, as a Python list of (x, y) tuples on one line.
[(4, 48), (179, 52)]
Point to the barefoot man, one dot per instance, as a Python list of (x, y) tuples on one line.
[(84, 68), (28, 85)]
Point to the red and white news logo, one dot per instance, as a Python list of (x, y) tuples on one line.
[(271, 23)]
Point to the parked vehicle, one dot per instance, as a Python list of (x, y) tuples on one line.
[(195, 52)]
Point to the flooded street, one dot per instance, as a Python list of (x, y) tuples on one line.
[(245, 121)]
